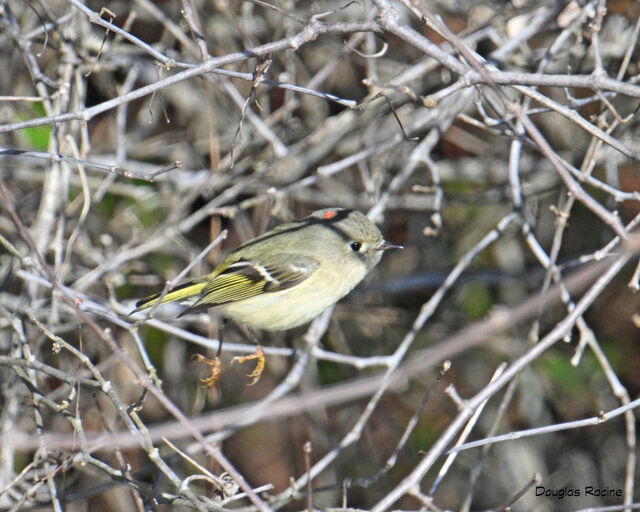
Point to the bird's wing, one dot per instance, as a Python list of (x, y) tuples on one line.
[(250, 277)]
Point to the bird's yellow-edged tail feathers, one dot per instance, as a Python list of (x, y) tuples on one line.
[(184, 291)]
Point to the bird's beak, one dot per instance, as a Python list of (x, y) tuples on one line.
[(386, 245)]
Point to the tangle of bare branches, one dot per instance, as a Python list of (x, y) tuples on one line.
[(492, 364)]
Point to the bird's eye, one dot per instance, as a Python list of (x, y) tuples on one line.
[(356, 246)]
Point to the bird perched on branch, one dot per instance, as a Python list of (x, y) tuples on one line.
[(287, 276)]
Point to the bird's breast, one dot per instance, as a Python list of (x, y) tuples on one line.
[(295, 306)]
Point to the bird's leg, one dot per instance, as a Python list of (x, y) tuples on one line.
[(215, 363), (256, 373)]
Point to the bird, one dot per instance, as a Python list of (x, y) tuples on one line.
[(287, 276)]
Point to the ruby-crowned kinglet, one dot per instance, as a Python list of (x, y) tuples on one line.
[(289, 275)]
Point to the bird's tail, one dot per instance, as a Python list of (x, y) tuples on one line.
[(183, 291)]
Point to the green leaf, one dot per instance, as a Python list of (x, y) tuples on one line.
[(37, 136), (475, 300)]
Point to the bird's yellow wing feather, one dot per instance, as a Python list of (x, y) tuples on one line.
[(247, 278)]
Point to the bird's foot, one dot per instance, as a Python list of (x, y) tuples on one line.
[(216, 369), (257, 371)]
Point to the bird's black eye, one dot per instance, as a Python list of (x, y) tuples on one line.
[(356, 246)]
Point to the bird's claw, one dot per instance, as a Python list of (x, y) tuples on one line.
[(216, 369), (256, 373)]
